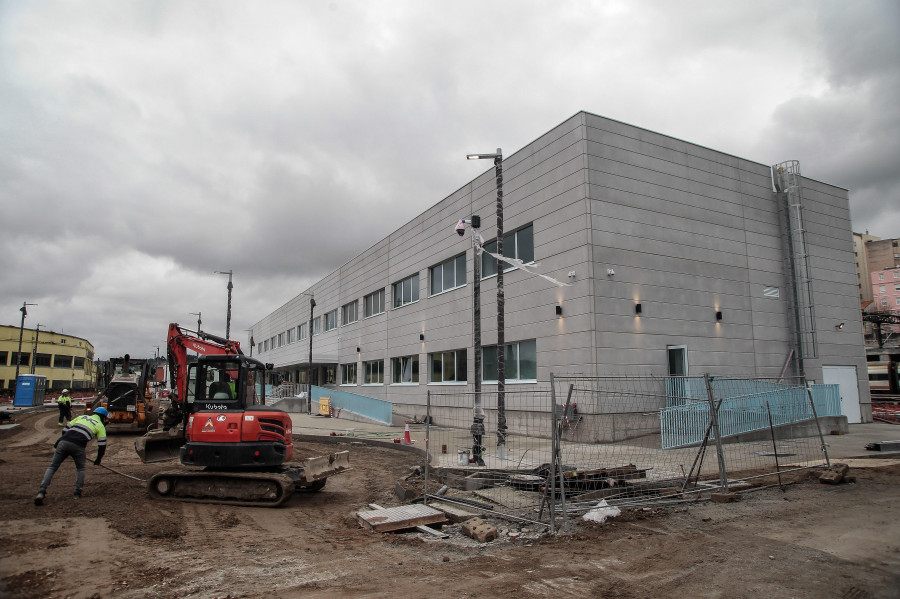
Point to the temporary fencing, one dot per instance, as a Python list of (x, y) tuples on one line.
[(628, 441)]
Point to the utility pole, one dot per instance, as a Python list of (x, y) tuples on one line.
[(37, 332), (24, 312)]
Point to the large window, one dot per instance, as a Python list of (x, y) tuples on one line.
[(374, 372), (4, 356), (42, 360), (406, 291), (448, 366), (520, 361), (280, 339), (79, 363), (374, 303), (301, 331), (350, 312), (317, 325), (289, 335), (518, 244), (266, 345), (348, 374), (62, 361), (330, 375), (405, 369), (331, 320), (447, 275)]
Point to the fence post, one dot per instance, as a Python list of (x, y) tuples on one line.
[(812, 404), (714, 416), (427, 436), (551, 480)]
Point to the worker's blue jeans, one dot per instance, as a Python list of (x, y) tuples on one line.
[(65, 449)]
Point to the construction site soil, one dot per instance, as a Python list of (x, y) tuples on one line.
[(811, 540)]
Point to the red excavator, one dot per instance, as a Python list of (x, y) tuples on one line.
[(218, 420)]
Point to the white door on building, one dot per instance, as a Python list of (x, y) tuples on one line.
[(845, 377)]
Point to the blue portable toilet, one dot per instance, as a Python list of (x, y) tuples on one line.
[(30, 390)]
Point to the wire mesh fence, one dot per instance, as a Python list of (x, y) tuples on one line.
[(625, 441)]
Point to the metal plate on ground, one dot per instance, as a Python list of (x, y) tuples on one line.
[(509, 497), (398, 518)]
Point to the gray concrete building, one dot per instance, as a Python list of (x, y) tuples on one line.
[(676, 259)]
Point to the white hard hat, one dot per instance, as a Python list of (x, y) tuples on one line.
[(65, 390)]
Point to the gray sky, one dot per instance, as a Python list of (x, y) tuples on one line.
[(144, 145)]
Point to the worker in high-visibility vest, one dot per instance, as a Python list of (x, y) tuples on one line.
[(65, 407), (73, 441)]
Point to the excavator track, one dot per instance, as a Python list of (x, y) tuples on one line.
[(264, 489)]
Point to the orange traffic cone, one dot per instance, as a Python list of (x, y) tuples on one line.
[(406, 439)]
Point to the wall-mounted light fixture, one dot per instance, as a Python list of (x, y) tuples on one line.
[(421, 336), (718, 316), (638, 309), (839, 326), (558, 310), (357, 350)]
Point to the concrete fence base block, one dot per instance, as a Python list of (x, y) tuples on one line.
[(723, 497), (479, 530), (834, 475)]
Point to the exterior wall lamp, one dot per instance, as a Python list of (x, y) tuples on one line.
[(421, 336), (638, 309), (718, 316), (558, 310)]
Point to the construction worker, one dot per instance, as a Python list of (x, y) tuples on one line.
[(65, 407), (73, 441)]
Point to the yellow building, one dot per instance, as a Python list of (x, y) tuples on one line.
[(67, 361)]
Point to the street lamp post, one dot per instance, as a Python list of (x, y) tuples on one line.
[(230, 287), (199, 322), (312, 304), (501, 341), (37, 334), (24, 312)]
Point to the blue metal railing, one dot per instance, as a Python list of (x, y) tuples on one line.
[(374, 409)]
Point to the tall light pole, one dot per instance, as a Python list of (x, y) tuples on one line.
[(37, 333), (312, 304), (251, 340), (501, 340), (24, 312), (230, 287), (199, 322)]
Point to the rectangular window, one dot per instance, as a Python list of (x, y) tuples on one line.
[(289, 335), (331, 320), (42, 360), (520, 361), (4, 356), (317, 325), (62, 361), (897, 274), (348, 374), (350, 312), (518, 244), (259, 348), (447, 275), (79, 363), (301, 331), (884, 302), (374, 303), (881, 276), (374, 372), (266, 345), (405, 369), (448, 366), (272, 342), (406, 291), (330, 375), (280, 339)]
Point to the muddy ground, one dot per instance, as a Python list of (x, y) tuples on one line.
[(811, 541)]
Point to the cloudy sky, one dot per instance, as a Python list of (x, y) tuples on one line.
[(146, 144)]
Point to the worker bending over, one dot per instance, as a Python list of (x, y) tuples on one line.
[(73, 441)]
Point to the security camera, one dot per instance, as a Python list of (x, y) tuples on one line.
[(461, 227)]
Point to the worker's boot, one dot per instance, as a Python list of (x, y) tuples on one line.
[(39, 498), (77, 495)]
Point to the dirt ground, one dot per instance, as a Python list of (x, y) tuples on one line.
[(811, 541)]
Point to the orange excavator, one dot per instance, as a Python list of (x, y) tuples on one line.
[(219, 425)]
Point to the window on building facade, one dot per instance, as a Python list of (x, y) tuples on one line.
[(406, 291), (23, 359), (301, 331), (42, 360), (272, 342), (331, 320), (448, 366), (317, 325), (520, 361), (373, 372), (447, 275), (78, 363), (881, 289), (289, 335), (374, 303), (518, 244), (897, 274), (348, 374), (266, 345), (60, 361), (280, 339), (4, 357), (405, 369), (330, 375), (350, 312), (259, 348), (884, 302), (881, 276)]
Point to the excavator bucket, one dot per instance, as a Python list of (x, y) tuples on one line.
[(322, 467), (159, 445)]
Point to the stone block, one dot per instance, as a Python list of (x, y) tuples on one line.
[(723, 497), (834, 475), (479, 530)]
